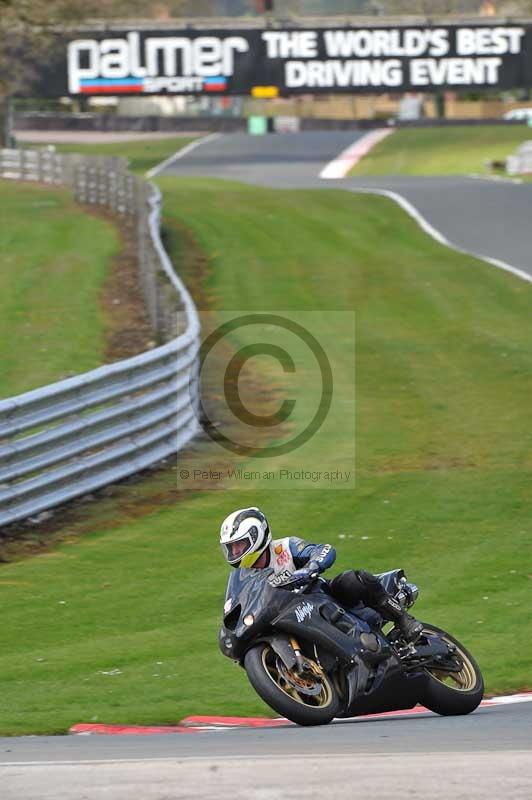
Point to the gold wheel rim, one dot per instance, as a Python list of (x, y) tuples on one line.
[(463, 681), (321, 700)]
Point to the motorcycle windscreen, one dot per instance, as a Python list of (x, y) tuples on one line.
[(249, 589)]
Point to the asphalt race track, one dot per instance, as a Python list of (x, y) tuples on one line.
[(486, 217), (485, 755)]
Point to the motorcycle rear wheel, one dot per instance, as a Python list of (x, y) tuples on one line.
[(450, 693), (280, 691)]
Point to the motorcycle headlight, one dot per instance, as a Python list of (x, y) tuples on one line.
[(248, 620)]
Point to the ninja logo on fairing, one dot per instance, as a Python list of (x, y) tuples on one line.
[(302, 611), (154, 65)]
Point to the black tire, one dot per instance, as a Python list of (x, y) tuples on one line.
[(286, 705), (447, 700)]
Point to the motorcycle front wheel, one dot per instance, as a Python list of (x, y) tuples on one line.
[(453, 693), (308, 698)]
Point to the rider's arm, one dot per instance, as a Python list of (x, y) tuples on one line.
[(304, 553)]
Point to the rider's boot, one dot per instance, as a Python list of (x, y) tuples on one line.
[(390, 609)]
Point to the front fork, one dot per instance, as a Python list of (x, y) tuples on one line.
[(300, 660), (305, 664)]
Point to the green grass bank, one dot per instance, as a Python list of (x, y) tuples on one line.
[(120, 625), (442, 151), (54, 259)]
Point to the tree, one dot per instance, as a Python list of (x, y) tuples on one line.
[(430, 8), (515, 8), (26, 34)]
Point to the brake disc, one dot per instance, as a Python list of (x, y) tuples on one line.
[(305, 682)]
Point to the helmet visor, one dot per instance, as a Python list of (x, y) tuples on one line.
[(235, 551)]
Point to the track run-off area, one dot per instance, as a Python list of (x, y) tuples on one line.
[(484, 217), (487, 754)]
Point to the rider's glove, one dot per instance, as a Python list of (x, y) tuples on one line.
[(302, 576)]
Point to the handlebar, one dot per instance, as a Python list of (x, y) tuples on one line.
[(301, 588)]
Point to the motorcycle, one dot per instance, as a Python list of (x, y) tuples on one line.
[(311, 660)]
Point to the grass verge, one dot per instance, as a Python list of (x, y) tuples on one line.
[(442, 151), (54, 261), (121, 624)]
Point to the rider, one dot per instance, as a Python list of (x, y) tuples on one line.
[(246, 541)]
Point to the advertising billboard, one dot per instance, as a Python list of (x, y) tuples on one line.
[(293, 61)]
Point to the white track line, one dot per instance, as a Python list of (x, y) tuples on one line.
[(340, 166), (497, 178), (181, 154), (178, 757), (241, 758), (412, 211), (508, 699)]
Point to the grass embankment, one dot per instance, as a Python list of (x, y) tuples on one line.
[(143, 154), (54, 259), (121, 624), (442, 151)]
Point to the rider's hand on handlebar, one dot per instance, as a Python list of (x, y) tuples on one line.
[(302, 576)]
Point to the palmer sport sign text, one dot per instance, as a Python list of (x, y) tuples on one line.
[(295, 61)]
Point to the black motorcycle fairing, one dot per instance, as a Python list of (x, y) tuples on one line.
[(368, 680), (390, 689), (248, 594), (269, 610), (343, 635), (251, 589)]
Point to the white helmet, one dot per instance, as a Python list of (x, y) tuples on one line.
[(244, 536)]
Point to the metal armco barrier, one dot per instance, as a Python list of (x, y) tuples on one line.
[(80, 434)]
